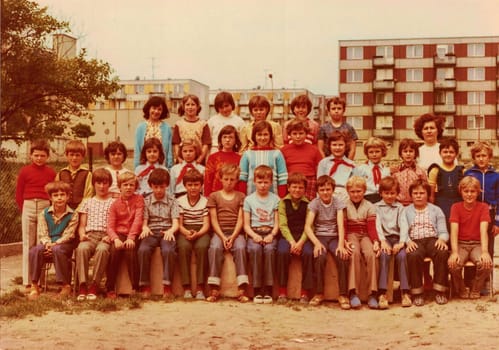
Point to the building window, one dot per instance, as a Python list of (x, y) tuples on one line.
[(409, 122), (384, 51), (158, 88), (475, 122), (384, 122), (139, 89), (355, 99), (354, 75), (476, 97), (384, 74), (445, 73), (122, 105), (444, 98), (414, 51), (444, 50), (414, 74), (414, 99), (449, 122), (476, 73), (476, 50), (355, 53), (355, 122), (384, 98)]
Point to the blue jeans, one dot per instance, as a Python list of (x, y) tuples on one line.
[(61, 256), (307, 265), (331, 243), (262, 262), (400, 262), (168, 253)]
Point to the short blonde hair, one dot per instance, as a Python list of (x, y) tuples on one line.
[(127, 176), (263, 172), (481, 146), (469, 181), (355, 181), (189, 142), (375, 142), (75, 146)]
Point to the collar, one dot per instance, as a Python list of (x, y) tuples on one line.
[(68, 210), (303, 198), (81, 167)]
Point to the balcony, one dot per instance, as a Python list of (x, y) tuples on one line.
[(447, 84), (384, 84), (384, 133), (449, 132), (447, 60), (383, 109), (379, 61), (445, 108)]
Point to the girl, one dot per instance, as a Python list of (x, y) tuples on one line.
[(155, 111), (189, 152), (301, 106), (115, 154), (263, 153), (228, 145), (191, 127), (151, 157)]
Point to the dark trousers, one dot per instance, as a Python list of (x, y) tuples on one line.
[(331, 243), (61, 257), (168, 254), (115, 257), (283, 258)]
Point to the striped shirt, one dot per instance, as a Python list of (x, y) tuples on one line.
[(159, 213), (193, 215)]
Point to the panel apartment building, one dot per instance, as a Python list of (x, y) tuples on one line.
[(387, 83)]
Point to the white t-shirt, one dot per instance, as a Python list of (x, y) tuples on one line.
[(217, 122)]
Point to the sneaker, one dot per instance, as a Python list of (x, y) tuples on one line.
[(111, 295), (344, 302), (406, 300), (282, 299), (355, 301), (65, 291), (145, 292), (258, 299), (441, 299), (267, 299), (82, 294), (383, 302), (372, 302), (187, 294), (418, 300), (304, 299), (200, 295), (92, 292)]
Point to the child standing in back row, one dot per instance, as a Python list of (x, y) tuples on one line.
[(115, 154), (301, 106)]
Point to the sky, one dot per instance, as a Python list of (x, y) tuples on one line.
[(234, 44)]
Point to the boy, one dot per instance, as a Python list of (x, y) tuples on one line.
[(261, 224), (292, 213), (94, 213), (469, 220), (301, 106), (161, 214), (259, 108), (56, 231), (302, 157), (31, 197), (325, 228), (373, 171), (336, 108), (78, 176), (226, 214), (427, 238), (392, 234), (194, 226), (123, 226), (363, 240)]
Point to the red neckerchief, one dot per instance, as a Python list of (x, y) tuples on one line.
[(336, 164)]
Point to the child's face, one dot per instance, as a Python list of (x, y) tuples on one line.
[(39, 157), (262, 138), (116, 159), (296, 191), (193, 189), (259, 113), (298, 136), (101, 188), (448, 155), (419, 197), (263, 185), (356, 193), (469, 194), (127, 188), (190, 108), (189, 153), (229, 182), (336, 111), (159, 190), (74, 159), (482, 160), (374, 154), (338, 148), (430, 132), (300, 112), (389, 196), (408, 155), (152, 154), (225, 110), (325, 193), (59, 199), (228, 142), (155, 113)]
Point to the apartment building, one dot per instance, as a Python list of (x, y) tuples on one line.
[(387, 83)]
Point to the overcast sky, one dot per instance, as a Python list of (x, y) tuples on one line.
[(236, 44)]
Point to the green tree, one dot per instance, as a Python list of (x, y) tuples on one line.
[(41, 92), (83, 131)]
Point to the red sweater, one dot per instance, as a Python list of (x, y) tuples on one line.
[(31, 183), (125, 217), (215, 161), (302, 158)]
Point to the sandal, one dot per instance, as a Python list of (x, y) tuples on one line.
[(441, 299), (316, 300), (214, 295), (242, 298)]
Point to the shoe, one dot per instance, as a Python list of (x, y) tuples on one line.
[(145, 292), (282, 299), (65, 291), (258, 299), (267, 299), (355, 301), (486, 288), (475, 295), (316, 300), (111, 295), (406, 300), (441, 299), (304, 299), (382, 302), (214, 295), (200, 295), (187, 294), (167, 293), (418, 300), (372, 302), (344, 302), (34, 292), (92, 292), (464, 293), (241, 297), (82, 294)]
